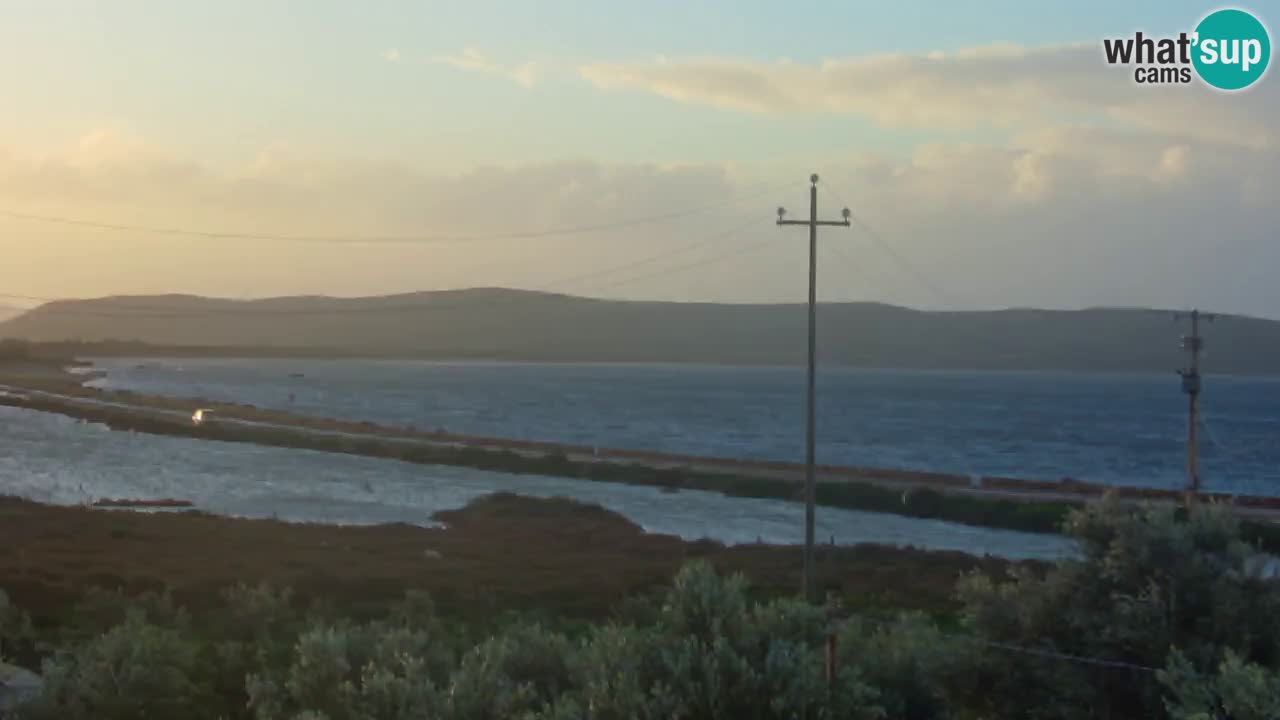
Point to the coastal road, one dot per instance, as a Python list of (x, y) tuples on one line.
[(181, 422)]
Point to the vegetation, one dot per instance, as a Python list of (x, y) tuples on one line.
[(14, 350), (1160, 617), (519, 325), (1046, 516), (500, 554), (20, 351)]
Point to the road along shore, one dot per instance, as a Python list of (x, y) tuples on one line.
[(1010, 503)]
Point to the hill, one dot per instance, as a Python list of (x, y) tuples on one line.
[(504, 324)]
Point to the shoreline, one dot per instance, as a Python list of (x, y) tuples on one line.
[(201, 353), (996, 486), (133, 350), (1007, 504)]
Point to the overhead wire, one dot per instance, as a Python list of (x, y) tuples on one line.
[(393, 239), (1066, 657), (909, 267), (876, 238), (144, 311), (155, 312), (1040, 652), (736, 252), (1213, 438)]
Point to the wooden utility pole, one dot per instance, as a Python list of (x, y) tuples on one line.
[(1191, 384), (835, 617), (809, 480)]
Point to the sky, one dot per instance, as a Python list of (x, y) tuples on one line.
[(989, 155)]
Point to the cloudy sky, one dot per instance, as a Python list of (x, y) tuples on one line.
[(990, 155)]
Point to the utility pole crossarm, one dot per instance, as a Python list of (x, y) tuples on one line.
[(810, 484), (1191, 385)]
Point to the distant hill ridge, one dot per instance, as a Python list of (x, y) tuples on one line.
[(505, 324)]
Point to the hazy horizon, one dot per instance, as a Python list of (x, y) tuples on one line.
[(15, 310), (997, 164)]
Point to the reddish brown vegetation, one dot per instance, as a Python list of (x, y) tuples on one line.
[(501, 552)]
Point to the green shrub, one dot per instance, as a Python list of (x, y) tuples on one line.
[(910, 662), (712, 654), (17, 636), (1152, 588), (1238, 690), (1147, 582), (134, 670), (350, 673), (519, 672)]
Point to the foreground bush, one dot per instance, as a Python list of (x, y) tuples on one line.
[(1148, 584), (350, 674), (911, 663), (17, 637), (712, 654), (1238, 690), (1161, 616), (135, 670)]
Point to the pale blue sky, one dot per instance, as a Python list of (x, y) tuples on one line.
[(223, 78), (1036, 178)]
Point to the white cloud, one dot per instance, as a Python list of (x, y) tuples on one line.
[(1062, 216), (473, 60), (527, 74), (390, 55), (1005, 86)]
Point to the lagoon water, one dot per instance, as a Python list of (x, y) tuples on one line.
[(54, 459), (1112, 428), (1121, 429)]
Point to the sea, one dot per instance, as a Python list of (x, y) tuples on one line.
[(1117, 429), (1121, 429)]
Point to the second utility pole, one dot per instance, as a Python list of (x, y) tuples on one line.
[(1191, 384), (810, 482)]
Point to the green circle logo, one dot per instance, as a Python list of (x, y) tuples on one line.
[(1232, 49)]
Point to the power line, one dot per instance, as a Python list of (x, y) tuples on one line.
[(846, 258), (386, 239), (680, 250), (946, 297), (857, 269), (1022, 649), (1065, 657), (735, 253), (1213, 438), (152, 312)]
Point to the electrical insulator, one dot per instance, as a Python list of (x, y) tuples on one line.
[(1191, 383)]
